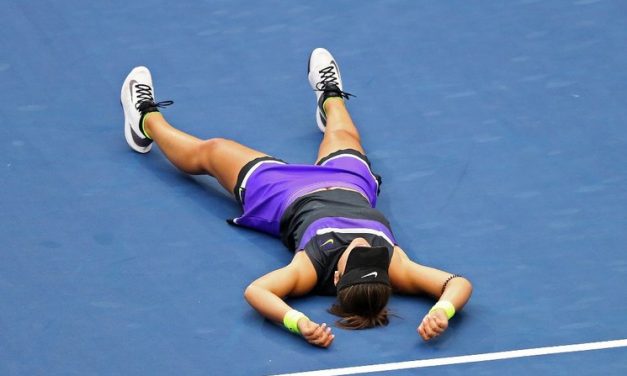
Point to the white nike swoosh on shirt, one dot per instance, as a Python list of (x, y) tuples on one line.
[(373, 274)]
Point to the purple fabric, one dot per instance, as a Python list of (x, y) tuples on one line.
[(346, 225), (271, 187)]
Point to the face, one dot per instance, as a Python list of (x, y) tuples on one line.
[(341, 263)]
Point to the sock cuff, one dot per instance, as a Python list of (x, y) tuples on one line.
[(141, 124), (327, 98)]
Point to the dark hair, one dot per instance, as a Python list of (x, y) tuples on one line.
[(362, 306)]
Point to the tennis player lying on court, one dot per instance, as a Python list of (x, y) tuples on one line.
[(324, 213)]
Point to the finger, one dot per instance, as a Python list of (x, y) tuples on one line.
[(427, 324), (441, 326), (323, 338), (435, 326), (425, 321), (325, 335), (329, 340), (441, 322), (437, 330), (429, 330), (425, 336), (318, 332), (321, 329), (425, 327), (421, 331)]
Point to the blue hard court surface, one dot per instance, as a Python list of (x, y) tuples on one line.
[(499, 129)]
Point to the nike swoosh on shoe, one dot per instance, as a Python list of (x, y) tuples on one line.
[(337, 70), (140, 141), (130, 87)]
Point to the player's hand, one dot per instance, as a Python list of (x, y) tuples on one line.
[(433, 324), (319, 335)]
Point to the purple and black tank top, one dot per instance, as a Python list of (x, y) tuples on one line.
[(286, 200)]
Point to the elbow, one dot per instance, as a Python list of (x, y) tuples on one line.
[(249, 292), (467, 285)]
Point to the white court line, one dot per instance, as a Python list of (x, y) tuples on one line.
[(465, 359)]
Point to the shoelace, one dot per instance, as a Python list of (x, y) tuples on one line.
[(143, 106), (145, 99), (328, 77), (329, 82)]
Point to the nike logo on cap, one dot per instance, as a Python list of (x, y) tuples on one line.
[(373, 274)]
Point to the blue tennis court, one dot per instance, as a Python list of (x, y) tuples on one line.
[(499, 128)]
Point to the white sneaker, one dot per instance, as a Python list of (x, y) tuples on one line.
[(324, 77), (137, 98)]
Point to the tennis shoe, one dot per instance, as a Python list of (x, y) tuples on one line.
[(137, 98), (326, 81)]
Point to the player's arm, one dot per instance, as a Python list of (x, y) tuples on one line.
[(452, 292), (266, 295)]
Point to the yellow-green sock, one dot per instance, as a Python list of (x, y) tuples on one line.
[(143, 127)]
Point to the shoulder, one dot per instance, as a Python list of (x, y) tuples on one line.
[(398, 256), (301, 260), (398, 261), (302, 266), (402, 269)]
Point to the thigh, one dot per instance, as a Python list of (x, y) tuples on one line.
[(224, 159), (355, 161), (338, 140)]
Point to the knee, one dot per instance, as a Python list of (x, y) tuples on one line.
[(342, 134), (208, 150), (211, 145)]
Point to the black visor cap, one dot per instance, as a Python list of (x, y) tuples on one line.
[(366, 265)]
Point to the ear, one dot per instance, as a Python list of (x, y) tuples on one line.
[(336, 277)]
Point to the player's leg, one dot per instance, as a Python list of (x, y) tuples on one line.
[(217, 157), (341, 132), (331, 114)]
